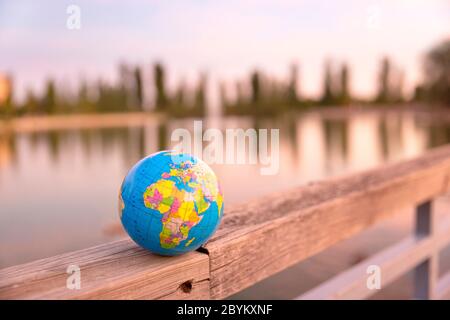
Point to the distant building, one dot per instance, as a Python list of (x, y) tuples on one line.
[(6, 151), (5, 89)]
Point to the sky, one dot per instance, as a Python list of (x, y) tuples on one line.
[(226, 39)]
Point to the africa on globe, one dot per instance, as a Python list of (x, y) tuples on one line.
[(170, 203)]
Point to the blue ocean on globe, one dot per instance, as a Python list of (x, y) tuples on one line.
[(170, 203)]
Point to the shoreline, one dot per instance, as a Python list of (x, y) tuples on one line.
[(135, 119), (77, 121)]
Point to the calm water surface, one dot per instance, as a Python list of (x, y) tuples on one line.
[(58, 189)]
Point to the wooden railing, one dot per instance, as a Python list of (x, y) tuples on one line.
[(262, 237)]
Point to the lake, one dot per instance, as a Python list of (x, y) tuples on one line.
[(59, 187)]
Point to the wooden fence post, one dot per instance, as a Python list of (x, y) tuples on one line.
[(426, 273)]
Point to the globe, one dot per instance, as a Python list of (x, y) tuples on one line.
[(170, 203)]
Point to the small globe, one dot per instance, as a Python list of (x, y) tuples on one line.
[(170, 203)]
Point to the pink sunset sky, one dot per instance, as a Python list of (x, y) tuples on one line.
[(226, 39)]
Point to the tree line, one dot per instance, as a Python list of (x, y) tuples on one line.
[(127, 94), (258, 94)]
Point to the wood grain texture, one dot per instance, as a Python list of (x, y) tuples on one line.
[(254, 241), (119, 270), (265, 236)]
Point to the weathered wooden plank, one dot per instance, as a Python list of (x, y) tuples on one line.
[(393, 262), (443, 287), (268, 235), (119, 270), (255, 240)]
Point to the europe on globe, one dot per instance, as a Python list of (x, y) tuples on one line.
[(170, 203)]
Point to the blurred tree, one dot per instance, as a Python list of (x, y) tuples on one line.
[(328, 85), (256, 87), (119, 98), (125, 91), (384, 94), (111, 98), (48, 103), (178, 105), (84, 103), (200, 97), (223, 97), (161, 95), (397, 86), (390, 83), (419, 93), (180, 95), (139, 88), (103, 97), (31, 105), (274, 96), (437, 74), (240, 97), (344, 90), (292, 95)]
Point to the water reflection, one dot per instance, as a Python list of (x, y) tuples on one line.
[(58, 189)]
